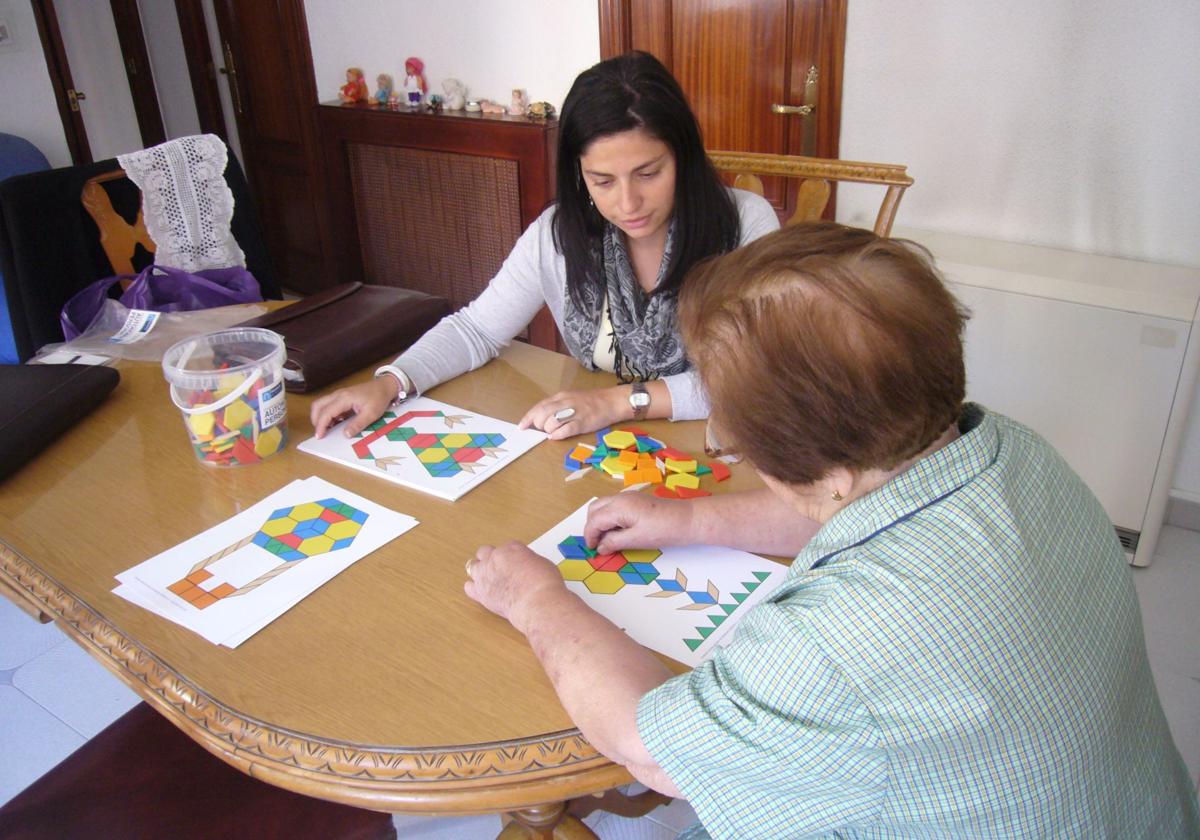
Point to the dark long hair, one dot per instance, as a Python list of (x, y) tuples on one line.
[(630, 91)]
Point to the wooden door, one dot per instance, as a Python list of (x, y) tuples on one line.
[(736, 61), (267, 62)]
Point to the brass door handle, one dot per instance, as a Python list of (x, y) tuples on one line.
[(74, 97), (802, 110), (231, 71)]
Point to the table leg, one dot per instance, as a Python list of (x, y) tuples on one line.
[(545, 822)]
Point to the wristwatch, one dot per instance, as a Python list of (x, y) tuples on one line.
[(639, 398), (406, 386)]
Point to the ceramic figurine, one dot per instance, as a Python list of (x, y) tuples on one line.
[(520, 102), (490, 107), (433, 104), (355, 89), (456, 94), (414, 82), (383, 90), (540, 110)]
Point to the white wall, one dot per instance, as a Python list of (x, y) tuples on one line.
[(492, 46), (1070, 123), (27, 107)]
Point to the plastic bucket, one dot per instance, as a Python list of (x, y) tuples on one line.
[(229, 386)]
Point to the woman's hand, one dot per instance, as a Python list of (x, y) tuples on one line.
[(364, 403), (589, 411), (632, 520), (509, 578)]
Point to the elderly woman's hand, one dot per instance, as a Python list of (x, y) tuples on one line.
[(570, 413), (508, 579), (632, 520)]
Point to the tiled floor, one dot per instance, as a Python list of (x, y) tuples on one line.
[(53, 696)]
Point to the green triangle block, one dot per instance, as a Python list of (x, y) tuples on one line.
[(762, 576), (693, 643), (705, 632), (750, 587), (703, 469), (729, 608), (717, 619), (740, 596)]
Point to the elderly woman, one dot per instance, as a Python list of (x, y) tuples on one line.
[(957, 649)]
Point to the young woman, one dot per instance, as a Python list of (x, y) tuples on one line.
[(638, 205)]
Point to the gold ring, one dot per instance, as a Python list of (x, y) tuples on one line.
[(470, 560), (564, 414)]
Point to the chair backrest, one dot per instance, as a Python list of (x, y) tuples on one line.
[(816, 175), (51, 247), (118, 238)]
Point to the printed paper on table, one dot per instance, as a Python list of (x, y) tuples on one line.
[(682, 601), (232, 580), (429, 446)]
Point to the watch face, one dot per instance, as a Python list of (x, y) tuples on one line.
[(639, 399)]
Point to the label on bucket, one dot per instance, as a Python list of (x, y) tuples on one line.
[(272, 405)]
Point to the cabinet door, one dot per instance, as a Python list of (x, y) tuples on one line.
[(1097, 383), (735, 59)]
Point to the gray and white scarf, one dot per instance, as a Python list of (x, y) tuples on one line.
[(645, 337)]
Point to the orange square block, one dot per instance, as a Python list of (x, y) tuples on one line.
[(629, 457), (224, 590), (205, 600), (199, 576)]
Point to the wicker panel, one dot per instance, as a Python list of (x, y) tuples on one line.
[(434, 221)]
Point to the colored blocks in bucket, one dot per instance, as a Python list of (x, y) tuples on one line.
[(229, 386)]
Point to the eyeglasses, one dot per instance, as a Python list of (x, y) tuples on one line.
[(713, 448)]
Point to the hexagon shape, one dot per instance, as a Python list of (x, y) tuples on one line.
[(346, 529), (604, 583), (433, 456), (315, 545), (575, 569)]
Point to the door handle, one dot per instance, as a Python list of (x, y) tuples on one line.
[(74, 97), (809, 130), (802, 110), (231, 71)]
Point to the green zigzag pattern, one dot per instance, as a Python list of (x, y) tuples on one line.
[(718, 618)]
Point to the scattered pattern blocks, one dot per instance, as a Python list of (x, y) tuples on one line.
[(442, 455), (231, 435), (641, 461)]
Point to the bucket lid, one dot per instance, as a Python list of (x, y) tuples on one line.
[(200, 362)]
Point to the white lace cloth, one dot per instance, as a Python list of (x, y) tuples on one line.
[(187, 204)]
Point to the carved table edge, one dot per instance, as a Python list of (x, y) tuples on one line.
[(355, 774)]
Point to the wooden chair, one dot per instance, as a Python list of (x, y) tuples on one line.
[(118, 238), (816, 175)]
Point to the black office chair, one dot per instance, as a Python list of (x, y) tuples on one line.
[(50, 246)]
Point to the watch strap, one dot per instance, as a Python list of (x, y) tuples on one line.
[(406, 385)]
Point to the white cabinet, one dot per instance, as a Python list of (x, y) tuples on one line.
[(1097, 354)]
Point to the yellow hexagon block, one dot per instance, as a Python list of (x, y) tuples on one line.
[(315, 545), (613, 466), (620, 439), (268, 442), (342, 530), (276, 527), (308, 510), (683, 480), (237, 414), (434, 455), (604, 583), (641, 555), (201, 424), (455, 441), (575, 569)]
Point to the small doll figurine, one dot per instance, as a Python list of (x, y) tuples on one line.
[(519, 103), (490, 107), (414, 81), (383, 90), (355, 89), (456, 94)]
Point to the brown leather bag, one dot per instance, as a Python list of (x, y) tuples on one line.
[(341, 330)]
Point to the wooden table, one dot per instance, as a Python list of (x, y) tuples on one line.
[(387, 688)]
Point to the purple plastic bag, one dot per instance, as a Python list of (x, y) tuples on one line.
[(161, 289)]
